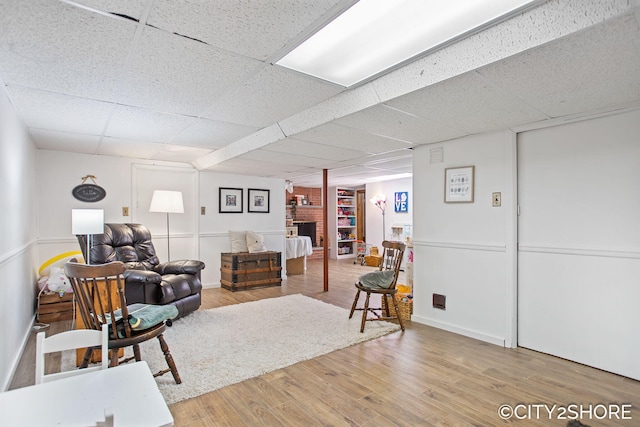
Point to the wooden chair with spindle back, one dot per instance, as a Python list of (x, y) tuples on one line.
[(129, 325), (382, 282)]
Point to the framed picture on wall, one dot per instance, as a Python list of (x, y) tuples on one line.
[(258, 200), (230, 200), (458, 184)]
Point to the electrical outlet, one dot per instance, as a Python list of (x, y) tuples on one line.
[(203, 210), (125, 211), (496, 199)]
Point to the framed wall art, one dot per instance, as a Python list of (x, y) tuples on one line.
[(230, 200), (258, 200), (458, 184)]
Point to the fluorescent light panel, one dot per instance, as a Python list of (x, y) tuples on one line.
[(375, 35)]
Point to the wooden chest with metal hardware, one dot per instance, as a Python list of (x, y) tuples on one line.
[(244, 270)]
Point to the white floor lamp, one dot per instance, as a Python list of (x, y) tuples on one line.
[(380, 201), (87, 222), (167, 202)]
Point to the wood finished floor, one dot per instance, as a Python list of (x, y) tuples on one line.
[(422, 377)]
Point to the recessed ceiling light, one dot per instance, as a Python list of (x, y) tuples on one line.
[(375, 35)]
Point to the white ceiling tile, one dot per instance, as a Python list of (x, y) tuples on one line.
[(375, 159), (310, 149), (149, 150), (254, 28), (145, 125), (468, 103), (63, 141), (242, 166), (274, 93), (121, 147), (179, 153), (131, 8), (175, 74), (392, 163), (53, 46), (54, 111), (391, 123), (284, 158), (211, 134), (585, 72), (259, 164), (342, 136)]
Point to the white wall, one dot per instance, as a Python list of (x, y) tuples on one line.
[(18, 238), (374, 215), (466, 251), (215, 226), (59, 172), (130, 182)]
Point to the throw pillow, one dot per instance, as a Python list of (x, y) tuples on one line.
[(238, 241), (255, 242)]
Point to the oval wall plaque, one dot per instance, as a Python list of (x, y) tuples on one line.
[(89, 193)]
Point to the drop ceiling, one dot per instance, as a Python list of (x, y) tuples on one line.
[(194, 81)]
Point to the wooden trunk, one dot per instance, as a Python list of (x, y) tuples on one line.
[(53, 307), (243, 270)]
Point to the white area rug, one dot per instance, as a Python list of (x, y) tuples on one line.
[(223, 346)]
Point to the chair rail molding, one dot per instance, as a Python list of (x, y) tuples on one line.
[(474, 246)]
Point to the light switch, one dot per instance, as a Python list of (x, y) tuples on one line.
[(203, 210), (125, 211), (496, 199)]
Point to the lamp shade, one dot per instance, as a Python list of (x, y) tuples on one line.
[(380, 200), (87, 221), (167, 201)]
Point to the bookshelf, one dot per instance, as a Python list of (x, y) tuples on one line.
[(342, 227)]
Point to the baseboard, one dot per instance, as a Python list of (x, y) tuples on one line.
[(460, 331), (16, 361)]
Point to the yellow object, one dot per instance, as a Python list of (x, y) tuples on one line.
[(373, 251), (58, 261), (373, 260), (403, 289)]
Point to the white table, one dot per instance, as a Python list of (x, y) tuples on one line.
[(297, 248), (129, 391)]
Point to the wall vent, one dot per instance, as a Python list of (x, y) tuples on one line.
[(436, 155), (439, 301)]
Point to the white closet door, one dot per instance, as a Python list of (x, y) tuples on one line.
[(579, 242)]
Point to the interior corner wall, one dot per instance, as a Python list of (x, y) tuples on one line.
[(18, 242), (373, 215), (466, 251)]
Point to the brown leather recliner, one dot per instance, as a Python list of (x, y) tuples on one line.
[(147, 280)]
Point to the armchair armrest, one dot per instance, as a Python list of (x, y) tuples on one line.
[(141, 276), (180, 267)]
